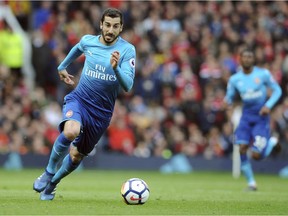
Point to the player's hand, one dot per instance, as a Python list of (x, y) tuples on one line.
[(66, 77), (226, 106), (264, 111), (114, 59)]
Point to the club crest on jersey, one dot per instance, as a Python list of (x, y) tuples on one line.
[(257, 80), (69, 113), (132, 62)]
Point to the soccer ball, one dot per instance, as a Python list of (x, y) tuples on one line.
[(135, 191)]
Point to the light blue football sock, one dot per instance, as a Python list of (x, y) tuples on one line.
[(66, 168), (59, 150), (246, 169), (270, 145)]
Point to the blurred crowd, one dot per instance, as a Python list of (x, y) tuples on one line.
[(186, 51)]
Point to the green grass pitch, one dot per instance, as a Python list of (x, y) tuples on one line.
[(97, 192)]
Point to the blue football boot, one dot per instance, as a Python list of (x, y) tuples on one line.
[(42, 181), (49, 192)]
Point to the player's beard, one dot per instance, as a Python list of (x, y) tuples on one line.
[(247, 67), (112, 36)]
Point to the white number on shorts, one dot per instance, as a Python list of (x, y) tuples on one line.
[(260, 142)]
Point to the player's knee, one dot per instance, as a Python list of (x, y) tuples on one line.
[(76, 157), (71, 130), (243, 149), (256, 156), (71, 134)]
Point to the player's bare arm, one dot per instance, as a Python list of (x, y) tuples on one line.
[(66, 77)]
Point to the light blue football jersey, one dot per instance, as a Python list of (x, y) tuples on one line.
[(252, 89), (99, 84)]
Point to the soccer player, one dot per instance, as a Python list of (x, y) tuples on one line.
[(87, 110), (252, 84)]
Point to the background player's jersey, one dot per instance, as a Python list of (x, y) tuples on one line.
[(252, 89), (99, 86)]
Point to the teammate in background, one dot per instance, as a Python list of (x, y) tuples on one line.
[(252, 84), (87, 110)]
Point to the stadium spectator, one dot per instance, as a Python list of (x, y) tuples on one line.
[(120, 134), (11, 54)]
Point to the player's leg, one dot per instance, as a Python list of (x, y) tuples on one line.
[(83, 143), (70, 163), (273, 146), (69, 128), (246, 167), (59, 150), (81, 146), (243, 137)]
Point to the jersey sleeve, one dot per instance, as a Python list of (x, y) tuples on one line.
[(73, 54), (276, 90), (125, 72), (230, 92)]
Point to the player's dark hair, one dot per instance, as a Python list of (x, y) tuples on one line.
[(113, 13), (247, 50)]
